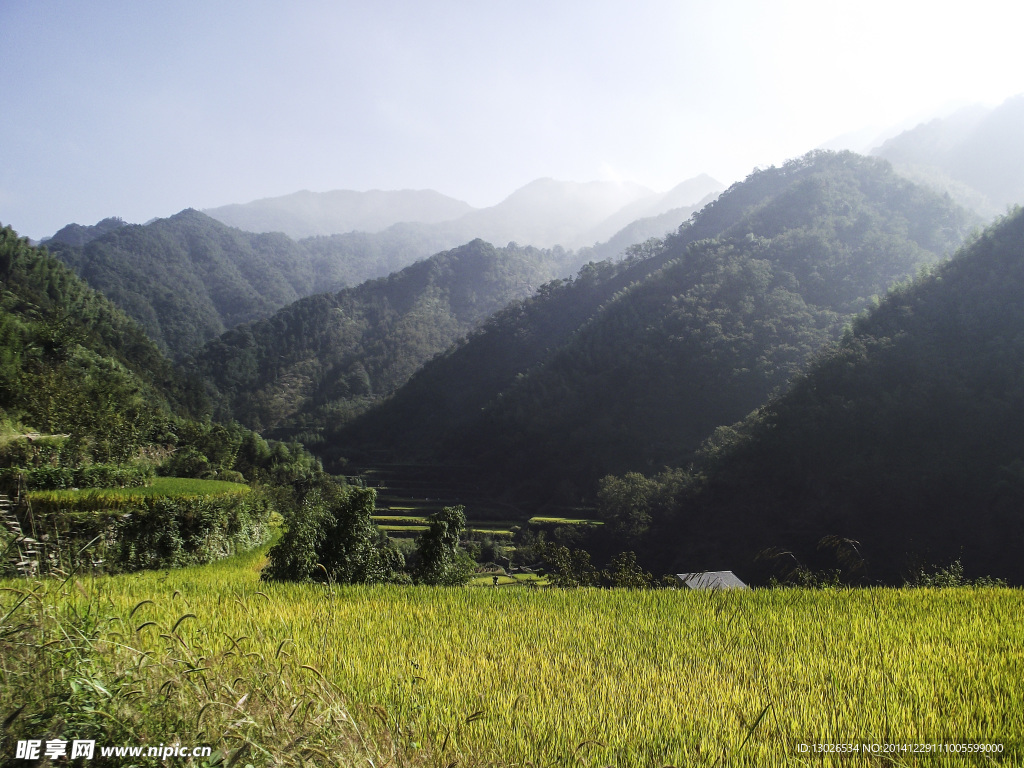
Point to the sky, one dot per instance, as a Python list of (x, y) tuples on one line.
[(139, 110)]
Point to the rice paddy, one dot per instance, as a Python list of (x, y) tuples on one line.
[(539, 677), (161, 486)]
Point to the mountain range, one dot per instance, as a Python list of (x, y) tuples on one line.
[(632, 364), (544, 213)]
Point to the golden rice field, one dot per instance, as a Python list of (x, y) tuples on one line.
[(543, 677)]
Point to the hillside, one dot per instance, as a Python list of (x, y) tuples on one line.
[(188, 278), (87, 398), (975, 154), (70, 362), (330, 356), (907, 439), (692, 332)]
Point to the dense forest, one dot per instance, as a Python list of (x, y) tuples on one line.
[(329, 357), (188, 278), (631, 365), (897, 451), (86, 396)]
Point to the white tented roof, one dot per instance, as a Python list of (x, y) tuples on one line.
[(710, 580)]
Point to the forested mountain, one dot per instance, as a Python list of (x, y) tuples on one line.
[(188, 278), (975, 154), (309, 214), (79, 235), (328, 357), (905, 444), (629, 367), (109, 406)]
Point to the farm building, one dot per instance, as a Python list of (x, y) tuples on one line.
[(710, 580)]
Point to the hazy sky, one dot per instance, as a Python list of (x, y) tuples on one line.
[(140, 109)]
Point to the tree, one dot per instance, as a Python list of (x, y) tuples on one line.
[(333, 537), (440, 560), (624, 503)]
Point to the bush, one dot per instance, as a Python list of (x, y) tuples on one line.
[(332, 537), (440, 561)]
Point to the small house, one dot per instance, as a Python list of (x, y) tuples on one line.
[(710, 580)]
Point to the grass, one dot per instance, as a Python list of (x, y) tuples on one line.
[(517, 677), (564, 521), (161, 486)]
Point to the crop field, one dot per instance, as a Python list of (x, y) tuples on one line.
[(406, 525), (532, 677), (563, 521), (161, 486)]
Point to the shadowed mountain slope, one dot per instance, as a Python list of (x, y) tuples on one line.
[(330, 356), (908, 440), (630, 366)]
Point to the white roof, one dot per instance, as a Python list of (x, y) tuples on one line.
[(710, 580)]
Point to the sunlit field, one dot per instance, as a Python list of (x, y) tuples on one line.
[(537, 677)]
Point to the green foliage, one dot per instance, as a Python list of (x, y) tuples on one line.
[(49, 477), (333, 537), (71, 363), (625, 573), (570, 567), (328, 357), (950, 576), (439, 559), (127, 530), (188, 278), (573, 568), (629, 366), (907, 437)]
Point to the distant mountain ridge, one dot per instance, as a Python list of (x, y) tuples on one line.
[(308, 214), (543, 213), (976, 155), (189, 278)]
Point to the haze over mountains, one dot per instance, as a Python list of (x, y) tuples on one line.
[(544, 213), (189, 278), (975, 154)]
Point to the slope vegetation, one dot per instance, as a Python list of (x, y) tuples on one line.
[(188, 278), (330, 356), (631, 366), (907, 439)]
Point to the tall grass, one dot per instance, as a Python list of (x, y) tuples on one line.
[(585, 677)]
